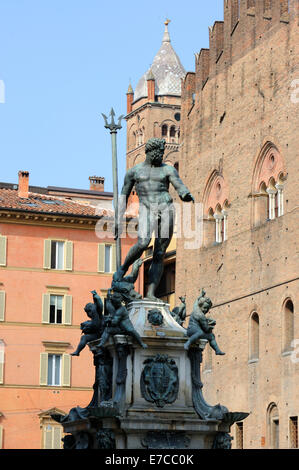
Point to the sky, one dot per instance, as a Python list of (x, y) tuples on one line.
[(64, 62)]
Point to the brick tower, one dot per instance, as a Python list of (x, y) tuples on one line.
[(154, 110)]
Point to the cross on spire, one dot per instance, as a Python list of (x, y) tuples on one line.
[(166, 37)]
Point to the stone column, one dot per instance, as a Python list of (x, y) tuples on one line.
[(218, 219), (279, 188), (271, 193), (224, 213)]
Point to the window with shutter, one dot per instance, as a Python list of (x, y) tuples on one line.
[(46, 308), (54, 369), (3, 249), (2, 305), (56, 303), (101, 258), (43, 380), (113, 260), (66, 370), (69, 256), (47, 254), (57, 309), (1, 362), (52, 435), (67, 311), (108, 257)]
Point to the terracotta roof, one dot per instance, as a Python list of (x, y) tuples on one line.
[(39, 203)]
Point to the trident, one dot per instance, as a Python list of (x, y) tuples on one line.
[(113, 127)]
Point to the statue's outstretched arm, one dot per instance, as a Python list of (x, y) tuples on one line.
[(98, 302), (179, 186)]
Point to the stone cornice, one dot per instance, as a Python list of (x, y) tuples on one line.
[(38, 218), (154, 105)]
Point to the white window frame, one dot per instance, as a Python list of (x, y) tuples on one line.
[(52, 379), (65, 368), (67, 307), (102, 258), (59, 256), (61, 297), (66, 263)]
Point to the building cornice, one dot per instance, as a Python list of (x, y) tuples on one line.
[(152, 105), (15, 216)]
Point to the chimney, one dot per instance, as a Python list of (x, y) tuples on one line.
[(150, 86), (96, 183), (130, 98), (23, 184)]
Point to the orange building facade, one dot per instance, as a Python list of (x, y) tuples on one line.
[(53, 252)]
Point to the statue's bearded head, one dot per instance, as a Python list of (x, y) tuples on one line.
[(154, 150)]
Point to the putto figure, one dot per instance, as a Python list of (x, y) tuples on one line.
[(91, 329), (125, 285), (151, 179), (117, 320), (179, 313), (201, 327)]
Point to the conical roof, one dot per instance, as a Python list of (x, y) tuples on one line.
[(166, 69)]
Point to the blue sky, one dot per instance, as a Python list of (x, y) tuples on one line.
[(64, 62)]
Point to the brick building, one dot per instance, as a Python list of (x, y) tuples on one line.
[(154, 110), (51, 258), (239, 158)]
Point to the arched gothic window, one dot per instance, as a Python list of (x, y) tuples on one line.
[(273, 426), (164, 130), (288, 325), (216, 207), (254, 337), (172, 134), (268, 185)]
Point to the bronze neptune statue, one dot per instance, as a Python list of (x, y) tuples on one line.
[(151, 180)]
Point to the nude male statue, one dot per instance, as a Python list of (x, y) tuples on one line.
[(151, 179)]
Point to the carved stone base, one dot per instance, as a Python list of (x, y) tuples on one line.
[(149, 398)]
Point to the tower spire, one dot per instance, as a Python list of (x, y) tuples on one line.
[(166, 37)]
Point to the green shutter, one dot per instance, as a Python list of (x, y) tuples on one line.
[(48, 437), (56, 437), (2, 305), (1, 437), (113, 260), (43, 378), (101, 257), (47, 254), (68, 256), (66, 370), (3, 249), (46, 308), (67, 313), (1, 362)]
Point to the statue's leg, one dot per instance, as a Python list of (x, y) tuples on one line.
[(214, 345), (144, 238), (162, 241), (195, 337), (83, 342)]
